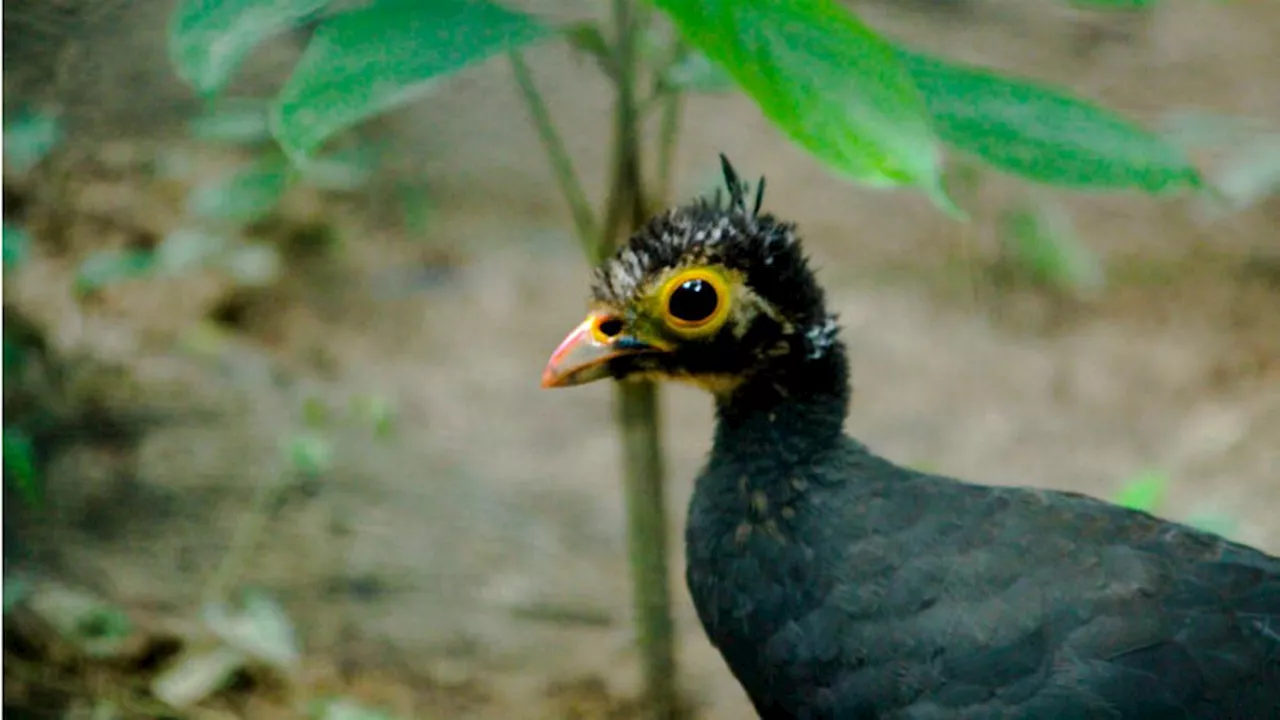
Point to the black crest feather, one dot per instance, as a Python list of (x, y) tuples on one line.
[(738, 189)]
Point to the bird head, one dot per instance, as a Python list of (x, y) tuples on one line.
[(711, 293)]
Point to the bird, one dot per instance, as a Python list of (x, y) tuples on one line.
[(838, 584)]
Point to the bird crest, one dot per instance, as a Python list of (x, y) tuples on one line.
[(738, 190)]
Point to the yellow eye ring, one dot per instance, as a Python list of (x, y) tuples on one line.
[(695, 302)]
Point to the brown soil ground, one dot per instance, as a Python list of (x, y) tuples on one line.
[(472, 565)]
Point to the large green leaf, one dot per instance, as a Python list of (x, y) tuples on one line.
[(370, 60), (825, 79), (209, 38), (1045, 135)]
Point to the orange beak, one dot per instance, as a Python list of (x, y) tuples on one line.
[(585, 354)]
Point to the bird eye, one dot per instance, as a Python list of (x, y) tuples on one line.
[(695, 302)]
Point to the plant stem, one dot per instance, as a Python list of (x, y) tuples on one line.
[(637, 404), (672, 102), (561, 165), (668, 134), (636, 410), (244, 541)]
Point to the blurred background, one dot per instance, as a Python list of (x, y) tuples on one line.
[(343, 410)]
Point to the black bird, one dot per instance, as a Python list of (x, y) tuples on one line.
[(837, 584)]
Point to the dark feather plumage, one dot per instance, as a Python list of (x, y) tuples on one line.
[(837, 584)]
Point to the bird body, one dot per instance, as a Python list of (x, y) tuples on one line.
[(838, 585)]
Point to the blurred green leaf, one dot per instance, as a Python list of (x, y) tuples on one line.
[(381, 56), (1045, 135), (15, 357), (17, 245), (826, 80), (1042, 242), (379, 412), (196, 674), (187, 249), (28, 138), (20, 465), (1144, 491), (587, 38), (209, 38), (237, 121), (310, 454), (260, 629), (96, 627), (245, 196), (107, 267), (315, 412), (1195, 129), (104, 623)]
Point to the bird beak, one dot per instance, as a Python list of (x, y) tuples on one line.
[(585, 354)]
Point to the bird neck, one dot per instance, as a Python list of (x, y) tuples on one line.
[(788, 412)]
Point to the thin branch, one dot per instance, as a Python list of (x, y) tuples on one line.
[(637, 403), (668, 134), (561, 165), (244, 540)]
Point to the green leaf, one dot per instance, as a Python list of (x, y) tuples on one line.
[(236, 121), (260, 629), (20, 465), (1144, 491), (315, 412), (209, 38), (1042, 242), (825, 79), (1043, 134), (380, 413), (245, 196), (17, 245), (107, 267), (28, 138), (587, 38), (310, 454), (367, 61)]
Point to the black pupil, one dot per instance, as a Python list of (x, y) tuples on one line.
[(694, 301)]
